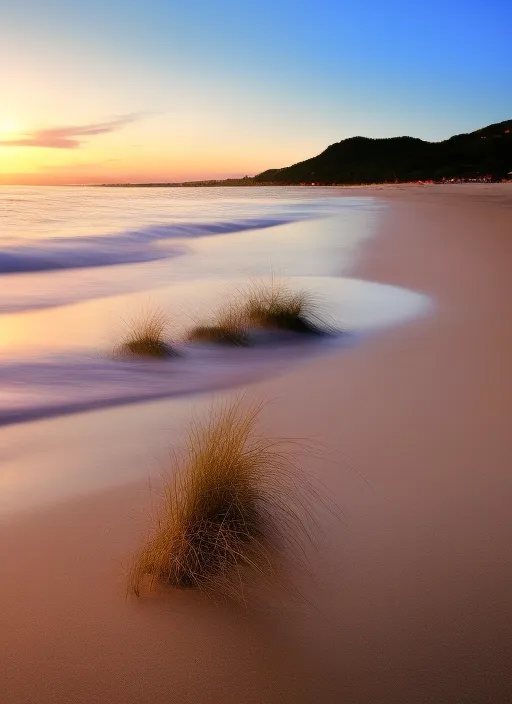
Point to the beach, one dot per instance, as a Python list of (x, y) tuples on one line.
[(406, 597)]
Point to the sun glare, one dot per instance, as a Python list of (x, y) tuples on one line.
[(8, 125)]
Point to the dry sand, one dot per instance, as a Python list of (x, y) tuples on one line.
[(410, 597)]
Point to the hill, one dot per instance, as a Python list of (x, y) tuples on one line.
[(485, 152)]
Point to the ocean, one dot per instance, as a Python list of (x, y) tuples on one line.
[(78, 263)]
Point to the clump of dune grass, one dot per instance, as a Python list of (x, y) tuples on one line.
[(275, 305), (229, 327), (229, 507), (145, 336)]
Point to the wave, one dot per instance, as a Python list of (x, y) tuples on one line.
[(37, 384), (60, 385), (129, 247)]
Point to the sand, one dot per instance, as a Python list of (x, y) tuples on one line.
[(407, 598)]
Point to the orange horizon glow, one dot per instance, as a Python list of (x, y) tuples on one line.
[(138, 148), (128, 156), (83, 179), (129, 148)]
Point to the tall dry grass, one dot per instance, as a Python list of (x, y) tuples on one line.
[(271, 305), (230, 506), (276, 305), (228, 327), (146, 336)]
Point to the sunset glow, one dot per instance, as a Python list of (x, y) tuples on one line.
[(8, 125)]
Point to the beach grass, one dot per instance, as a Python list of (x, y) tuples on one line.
[(145, 336), (228, 327), (225, 509), (275, 305)]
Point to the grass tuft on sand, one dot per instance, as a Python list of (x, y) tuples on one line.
[(146, 336), (274, 305), (228, 328), (227, 508)]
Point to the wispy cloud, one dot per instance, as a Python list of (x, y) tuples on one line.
[(69, 137)]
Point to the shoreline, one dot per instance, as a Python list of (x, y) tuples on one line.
[(268, 184), (272, 184), (409, 600)]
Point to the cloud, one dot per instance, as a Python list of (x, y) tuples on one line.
[(70, 137)]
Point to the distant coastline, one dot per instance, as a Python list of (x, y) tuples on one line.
[(483, 156), (252, 183), (247, 182)]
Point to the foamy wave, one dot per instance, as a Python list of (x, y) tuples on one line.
[(129, 247), (63, 384)]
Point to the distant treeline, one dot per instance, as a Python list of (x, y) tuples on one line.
[(246, 181)]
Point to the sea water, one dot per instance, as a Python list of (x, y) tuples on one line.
[(78, 263)]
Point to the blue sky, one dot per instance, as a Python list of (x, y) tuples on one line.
[(227, 88)]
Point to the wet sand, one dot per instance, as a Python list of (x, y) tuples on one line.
[(408, 598)]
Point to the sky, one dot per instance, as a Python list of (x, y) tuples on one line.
[(169, 90)]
